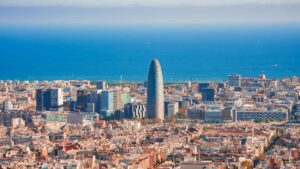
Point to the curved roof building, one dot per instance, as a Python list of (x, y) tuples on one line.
[(155, 91)]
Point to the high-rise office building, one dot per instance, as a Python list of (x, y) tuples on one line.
[(98, 103), (49, 99), (101, 85), (39, 96), (56, 98), (85, 97), (82, 99), (135, 110), (208, 94), (202, 86), (107, 102), (234, 80), (155, 91), (172, 109), (117, 100), (93, 97)]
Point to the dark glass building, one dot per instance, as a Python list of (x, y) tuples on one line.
[(202, 86), (49, 99), (208, 94), (82, 99)]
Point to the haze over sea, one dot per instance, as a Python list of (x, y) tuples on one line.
[(197, 52)]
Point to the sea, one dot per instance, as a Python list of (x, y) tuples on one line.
[(124, 52)]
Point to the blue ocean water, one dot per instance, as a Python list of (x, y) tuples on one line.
[(198, 52)]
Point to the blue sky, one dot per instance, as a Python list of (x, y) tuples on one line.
[(148, 11), (139, 2)]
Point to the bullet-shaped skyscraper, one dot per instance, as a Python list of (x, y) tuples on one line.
[(155, 92)]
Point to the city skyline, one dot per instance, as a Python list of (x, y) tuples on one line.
[(150, 84), (135, 122)]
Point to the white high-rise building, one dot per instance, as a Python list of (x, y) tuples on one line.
[(172, 108), (56, 97)]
